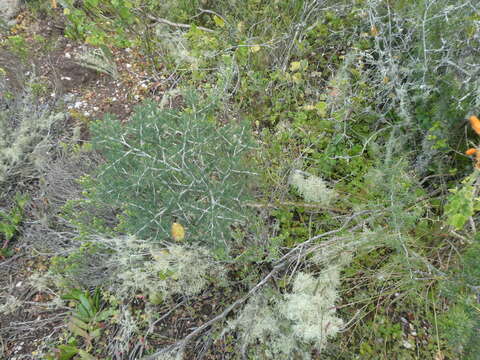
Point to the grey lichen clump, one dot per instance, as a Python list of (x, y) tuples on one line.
[(127, 266), (26, 135), (294, 323), (312, 188), (160, 273)]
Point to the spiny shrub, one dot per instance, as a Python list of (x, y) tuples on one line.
[(460, 325), (167, 166), (422, 62)]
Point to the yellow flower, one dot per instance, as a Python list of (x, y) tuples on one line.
[(178, 231), (471, 151)]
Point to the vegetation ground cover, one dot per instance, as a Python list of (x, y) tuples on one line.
[(240, 180)]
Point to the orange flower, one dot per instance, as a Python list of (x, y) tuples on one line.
[(475, 123), (471, 151)]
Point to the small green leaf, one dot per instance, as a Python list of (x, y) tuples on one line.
[(219, 21), (321, 108), (78, 331), (80, 323), (295, 65), (8, 230), (83, 313), (458, 221), (105, 314), (67, 352), (96, 333), (72, 295), (92, 3), (87, 304), (96, 299)]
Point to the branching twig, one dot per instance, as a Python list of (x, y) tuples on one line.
[(184, 26), (306, 205), (279, 265)]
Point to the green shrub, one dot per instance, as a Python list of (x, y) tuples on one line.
[(463, 203), (10, 222), (173, 166)]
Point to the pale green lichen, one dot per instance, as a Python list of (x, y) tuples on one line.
[(312, 188), (137, 267), (10, 305), (100, 60), (292, 324), (26, 136)]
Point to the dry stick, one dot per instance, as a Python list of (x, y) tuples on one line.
[(184, 26), (280, 264), (296, 204), (212, 13), (3, 263)]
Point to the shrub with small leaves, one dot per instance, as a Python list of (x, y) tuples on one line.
[(462, 203)]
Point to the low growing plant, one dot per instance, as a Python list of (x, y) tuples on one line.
[(10, 222), (167, 166)]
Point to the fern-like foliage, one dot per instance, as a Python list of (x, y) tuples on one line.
[(100, 60)]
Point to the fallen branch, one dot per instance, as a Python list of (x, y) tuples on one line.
[(184, 26), (306, 205), (279, 265)]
